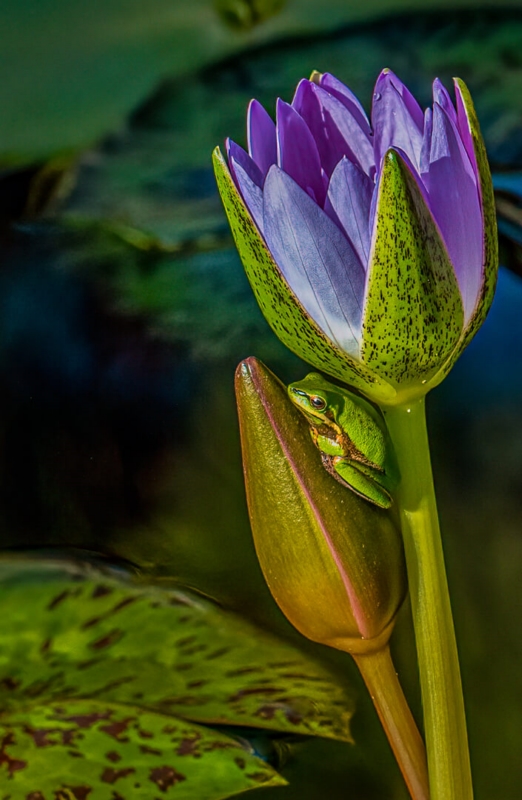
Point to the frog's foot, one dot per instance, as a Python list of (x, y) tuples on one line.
[(361, 480)]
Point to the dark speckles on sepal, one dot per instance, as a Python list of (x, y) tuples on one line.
[(281, 308), (413, 314)]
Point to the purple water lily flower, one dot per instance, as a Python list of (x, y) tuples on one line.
[(314, 184)]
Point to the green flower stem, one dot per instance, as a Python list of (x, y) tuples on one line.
[(379, 675), (443, 704)]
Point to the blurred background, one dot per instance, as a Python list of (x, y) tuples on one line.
[(124, 311)]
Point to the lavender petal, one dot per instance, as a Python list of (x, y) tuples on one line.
[(343, 129), (455, 204), (441, 96), (348, 203), (297, 152), (337, 89), (236, 154), (397, 119), (465, 132), (316, 259), (261, 134), (424, 159), (335, 131)]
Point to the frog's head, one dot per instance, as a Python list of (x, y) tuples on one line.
[(315, 397)]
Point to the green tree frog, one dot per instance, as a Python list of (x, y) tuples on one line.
[(352, 437)]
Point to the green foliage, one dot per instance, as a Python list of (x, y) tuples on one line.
[(103, 682), (62, 637), (80, 748)]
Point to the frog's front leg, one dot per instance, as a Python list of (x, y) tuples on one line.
[(362, 480), (327, 444)]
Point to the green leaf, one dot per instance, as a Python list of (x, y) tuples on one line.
[(280, 306), (413, 315), (333, 561), (81, 749), (63, 636)]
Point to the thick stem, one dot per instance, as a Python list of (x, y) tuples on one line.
[(443, 704), (386, 692)]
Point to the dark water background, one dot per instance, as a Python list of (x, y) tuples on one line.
[(124, 311)]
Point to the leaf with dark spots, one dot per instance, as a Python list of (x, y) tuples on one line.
[(106, 641), (151, 750), (165, 777), (55, 602), (111, 775), (87, 720), (116, 729), (101, 591), (11, 764), (122, 641), (212, 773), (253, 690), (189, 747), (9, 683)]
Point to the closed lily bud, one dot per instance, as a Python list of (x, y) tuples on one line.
[(371, 248), (333, 562)]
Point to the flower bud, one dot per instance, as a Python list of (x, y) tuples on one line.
[(333, 562)]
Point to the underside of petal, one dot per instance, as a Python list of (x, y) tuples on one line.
[(261, 133), (455, 203), (316, 259), (297, 152), (348, 203), (397, 119)]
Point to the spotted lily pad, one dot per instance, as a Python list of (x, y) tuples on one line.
[(65, 636), (82, 749)]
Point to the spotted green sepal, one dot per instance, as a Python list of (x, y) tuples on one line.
[(413, 315), (280, 306), (333, 562)]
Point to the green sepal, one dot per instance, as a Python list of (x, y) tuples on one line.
[(279, 305), (333, 562), (490, 228), (413, 315)]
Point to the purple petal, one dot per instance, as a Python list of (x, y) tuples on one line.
[(464, 130), (335, 131), (441, 96), (297, 152), (337, 89), (261, 134), (397, 119), (455, 204), (316, 259), (236, 154), (248, 179), (424, 159), (348, 203)]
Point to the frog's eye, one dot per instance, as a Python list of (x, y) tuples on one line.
[(317, 402)]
